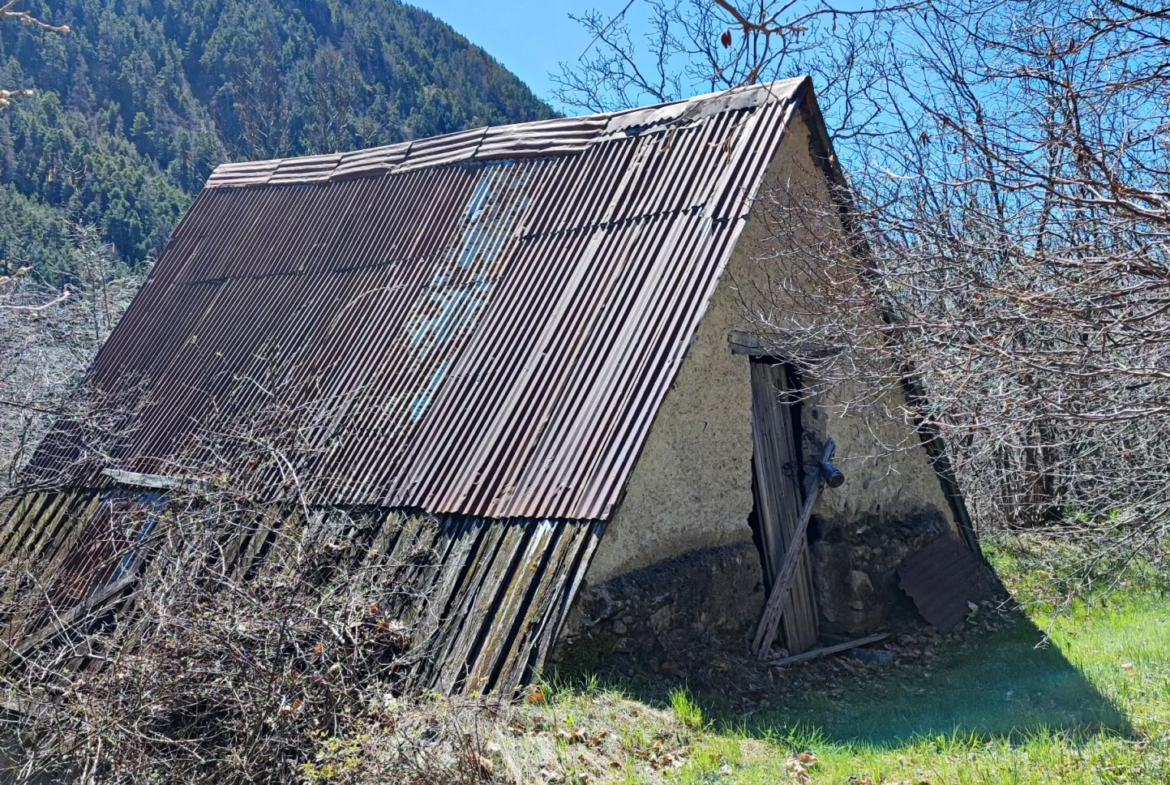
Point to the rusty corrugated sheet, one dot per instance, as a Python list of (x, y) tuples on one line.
[(481, 324), (942, 578)]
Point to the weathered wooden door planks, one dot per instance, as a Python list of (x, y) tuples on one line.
[(778, 498)]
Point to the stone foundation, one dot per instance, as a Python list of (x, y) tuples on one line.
[(855, 572), (711, 597)]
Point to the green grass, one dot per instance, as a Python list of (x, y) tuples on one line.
[(689, 713), (1091, 707), (1000, 684), (1087, 703)]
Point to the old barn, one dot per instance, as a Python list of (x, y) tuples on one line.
[(530, 349)]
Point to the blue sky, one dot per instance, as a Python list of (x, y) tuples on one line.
[(529, 38)]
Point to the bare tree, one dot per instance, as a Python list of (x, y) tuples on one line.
[(1007, 234), (8, 13), (49, 334), (695, 46)]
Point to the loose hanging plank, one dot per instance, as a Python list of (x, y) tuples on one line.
[(774, 610), (777, 499)]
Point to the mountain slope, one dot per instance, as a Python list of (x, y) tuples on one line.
[(139, 103)]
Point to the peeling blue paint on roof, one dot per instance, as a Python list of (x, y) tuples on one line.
[(423, 400), (459, 290)]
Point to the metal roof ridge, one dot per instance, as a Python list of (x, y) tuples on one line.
[(553, 136)]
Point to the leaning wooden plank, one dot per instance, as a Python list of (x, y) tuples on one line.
[(511, 608), (33, 538), (18, 519), (434, 652), (389, 527), (454, 564), (58, 527), (812, 655), (64, 622), (412, 583), (770, 621), (564, 554), (557, 611), (66, 535), (799, 618), (247, 540), (464, 649), (775, 459)]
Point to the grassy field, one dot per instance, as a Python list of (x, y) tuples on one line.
[(1089, 704)]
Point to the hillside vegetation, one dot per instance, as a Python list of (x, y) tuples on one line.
[(143, 98)]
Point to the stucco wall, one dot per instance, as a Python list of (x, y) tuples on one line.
[(891, 502), (692, 487)]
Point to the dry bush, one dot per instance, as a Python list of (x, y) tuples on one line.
[(199, 635), (49, 335)]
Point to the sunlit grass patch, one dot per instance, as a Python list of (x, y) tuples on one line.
[(1079, 697)]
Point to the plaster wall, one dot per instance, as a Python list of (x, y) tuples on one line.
[(692, 485), (691, 490), (891, 502)]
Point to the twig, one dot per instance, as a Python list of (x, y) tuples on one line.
[(6, 12), (29, 407), (605, 29), (65, 295)]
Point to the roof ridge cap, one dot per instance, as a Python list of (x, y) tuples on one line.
[(497, 142)]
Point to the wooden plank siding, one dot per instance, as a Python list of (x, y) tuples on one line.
[(483, 598)]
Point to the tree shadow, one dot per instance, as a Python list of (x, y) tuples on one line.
[(990, 685), (999, 685)]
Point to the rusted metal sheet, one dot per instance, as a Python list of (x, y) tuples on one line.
[(482, 604), (559, 136), (943, 578), (482, 324)]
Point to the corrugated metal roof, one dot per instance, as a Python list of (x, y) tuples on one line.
[(483, 323)]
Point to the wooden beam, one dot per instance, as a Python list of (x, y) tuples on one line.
[(826, 651), (161, 482), (754, 345), (748, 344)]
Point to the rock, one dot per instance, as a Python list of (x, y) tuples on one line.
[(880, 657), (619, 628), (625, 645), (660, 620)]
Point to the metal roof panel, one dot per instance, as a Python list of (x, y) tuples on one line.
[(483, 323)]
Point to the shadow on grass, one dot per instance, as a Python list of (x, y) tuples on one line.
[(996, 686), (991, 685)]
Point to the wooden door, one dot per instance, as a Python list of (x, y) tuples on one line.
[(778, 496)]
